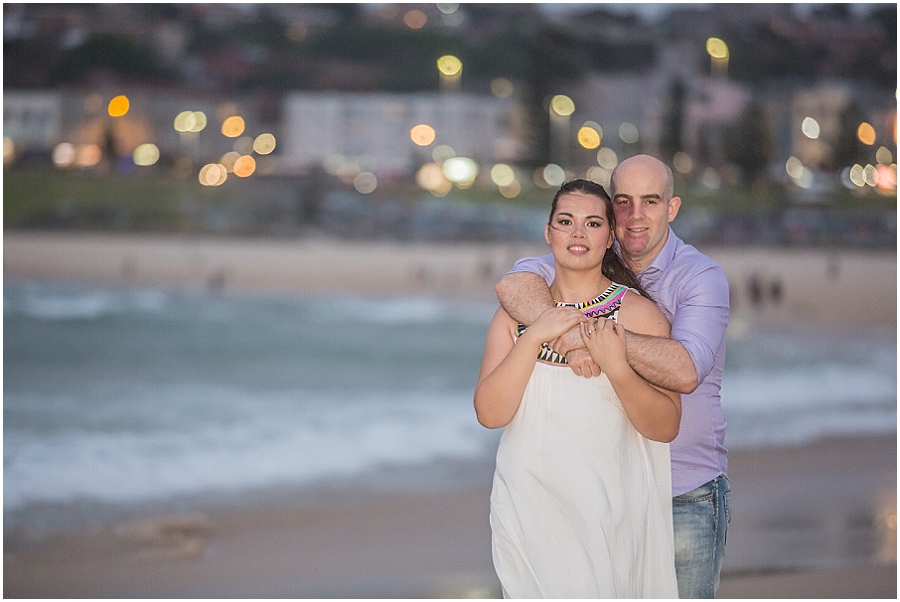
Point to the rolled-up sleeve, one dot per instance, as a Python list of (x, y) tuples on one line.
[(701, 317), (544, 266)]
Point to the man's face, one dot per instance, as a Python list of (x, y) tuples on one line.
[(642, 211)]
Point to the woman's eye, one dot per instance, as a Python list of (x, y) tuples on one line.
[(595, 224)]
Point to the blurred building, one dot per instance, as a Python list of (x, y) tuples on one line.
[(32, 119), (374, 130)]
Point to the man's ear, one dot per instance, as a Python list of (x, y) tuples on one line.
[(674, 206)]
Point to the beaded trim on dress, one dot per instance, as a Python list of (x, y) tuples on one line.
[(606, 305)]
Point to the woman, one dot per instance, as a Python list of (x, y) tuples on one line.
[(581, 503)]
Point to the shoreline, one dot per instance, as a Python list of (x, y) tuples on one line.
[(771, 285), (813, 527)]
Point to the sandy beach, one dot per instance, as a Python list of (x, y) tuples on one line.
[(793, 284), (821, 524), (809, 521)]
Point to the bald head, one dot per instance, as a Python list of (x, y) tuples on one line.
[(645, 164)]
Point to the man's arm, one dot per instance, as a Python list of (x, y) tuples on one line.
[(524, 296), (698, 328), (663, 362)]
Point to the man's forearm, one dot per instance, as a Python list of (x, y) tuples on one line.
[(524, 296), (663, 362)]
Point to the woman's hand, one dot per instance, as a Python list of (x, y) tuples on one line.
[(605, 341), (554, 322)]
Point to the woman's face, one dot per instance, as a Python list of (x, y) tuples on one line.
[(578, 232)]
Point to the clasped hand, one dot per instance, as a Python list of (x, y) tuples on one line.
[(603, 340)]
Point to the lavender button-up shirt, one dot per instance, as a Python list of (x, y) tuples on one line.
[(692, 291)]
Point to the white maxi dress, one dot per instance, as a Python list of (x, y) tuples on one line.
[(581, 505)]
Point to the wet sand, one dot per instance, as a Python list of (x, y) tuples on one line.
[(817, 520)]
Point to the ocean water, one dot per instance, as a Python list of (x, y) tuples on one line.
[(124, 396)]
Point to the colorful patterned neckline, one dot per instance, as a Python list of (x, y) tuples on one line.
[(606, 305)]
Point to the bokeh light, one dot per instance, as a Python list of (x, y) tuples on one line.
[(199, 121), (264, 144), (442, 152), (9, 150), (447, 8), (213, 174), (63, 154), (365, 182), (415, 19), (243, 145), (810, 128), (460, 170), (190, 121), (511, 190), (118, 106), (502, 174), (794, 167), (146, 154), (431, 177), (866, 133), (682, 162), (711, 179), (884, 156), (502, 87), (449, 65), (228, 160), (717, 48), (607, 158), (562, 105), (297, 31), (599, 175), (588, 137), (88, 155), (887, 177), (856, 176), (554, 175), (233, 126), (628, 133), (244, 166), (422, 134), (870, 175)]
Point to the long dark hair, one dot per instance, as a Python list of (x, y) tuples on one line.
[(612, 267)]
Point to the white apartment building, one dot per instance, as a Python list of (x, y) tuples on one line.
[(373, 129)]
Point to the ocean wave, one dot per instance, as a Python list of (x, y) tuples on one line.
[(255, 443), (41, 303)]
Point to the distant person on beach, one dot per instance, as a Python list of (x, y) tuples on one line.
[(581, 505), (692, 291)]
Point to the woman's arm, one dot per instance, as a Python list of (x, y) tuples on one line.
[(655, 412), (507, 365)]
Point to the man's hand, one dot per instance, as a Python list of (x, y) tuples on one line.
[(581, 363), (567, 342)]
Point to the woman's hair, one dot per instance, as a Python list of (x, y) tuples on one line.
[(612, 267)]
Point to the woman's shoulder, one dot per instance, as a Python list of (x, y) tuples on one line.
[(639, 314)]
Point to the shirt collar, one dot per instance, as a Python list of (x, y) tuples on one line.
[(662, 261)]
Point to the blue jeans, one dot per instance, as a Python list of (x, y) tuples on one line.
[(701, 520)]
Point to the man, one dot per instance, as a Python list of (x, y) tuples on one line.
[(692, 291)]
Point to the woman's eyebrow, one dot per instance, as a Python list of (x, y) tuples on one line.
[(585, 217)]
